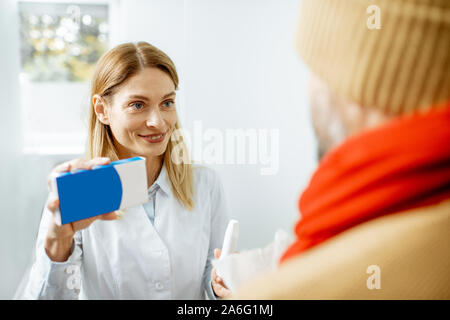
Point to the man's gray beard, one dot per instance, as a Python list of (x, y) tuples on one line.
[(333, 132), (321, 151), (327, 121)]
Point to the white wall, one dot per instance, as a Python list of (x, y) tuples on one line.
[(238, 70), (22, 179), (10, 139), (242, 72), (55, 116)]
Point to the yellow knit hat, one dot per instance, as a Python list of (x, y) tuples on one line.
[(401, 67)]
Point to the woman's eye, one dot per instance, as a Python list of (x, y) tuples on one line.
[(168, 104), (137, 105)]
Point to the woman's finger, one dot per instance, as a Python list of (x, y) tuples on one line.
[(217, 253), (79, 164), (98, 161), (108, 216), (63, 167), (216, 279), (219, 281), (87, 164), (221, 291), (53, 205)]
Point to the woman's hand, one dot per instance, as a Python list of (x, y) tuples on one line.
[(58, 241), (220, 289)]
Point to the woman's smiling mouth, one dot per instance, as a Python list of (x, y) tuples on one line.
[(154, 138)]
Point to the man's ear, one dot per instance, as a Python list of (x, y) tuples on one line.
[(100, 109)]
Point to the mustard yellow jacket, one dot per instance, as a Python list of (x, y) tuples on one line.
[(400, 256)]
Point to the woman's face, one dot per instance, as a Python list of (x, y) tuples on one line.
[(142, 114)]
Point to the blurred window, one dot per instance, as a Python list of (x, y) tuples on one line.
[(61, 42)]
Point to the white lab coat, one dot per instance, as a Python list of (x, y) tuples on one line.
[(132, 259)]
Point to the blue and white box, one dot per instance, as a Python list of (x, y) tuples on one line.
[(86, 193)]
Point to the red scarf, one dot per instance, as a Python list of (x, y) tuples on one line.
[(399, 166)]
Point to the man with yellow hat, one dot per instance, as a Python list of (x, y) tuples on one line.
[(375, 217)]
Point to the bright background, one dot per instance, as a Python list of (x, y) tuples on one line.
[(238, 70)]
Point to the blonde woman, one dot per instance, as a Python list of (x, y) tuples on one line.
[(162, 249)]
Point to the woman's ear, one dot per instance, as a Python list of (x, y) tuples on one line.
[(100, 109)]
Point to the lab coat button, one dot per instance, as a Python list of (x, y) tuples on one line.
[(159, 286)]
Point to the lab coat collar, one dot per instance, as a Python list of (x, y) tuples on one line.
[(163, 180)]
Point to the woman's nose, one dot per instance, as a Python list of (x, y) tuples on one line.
[(154, 119)]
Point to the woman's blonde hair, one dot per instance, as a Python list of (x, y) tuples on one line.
[(113, 69)]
